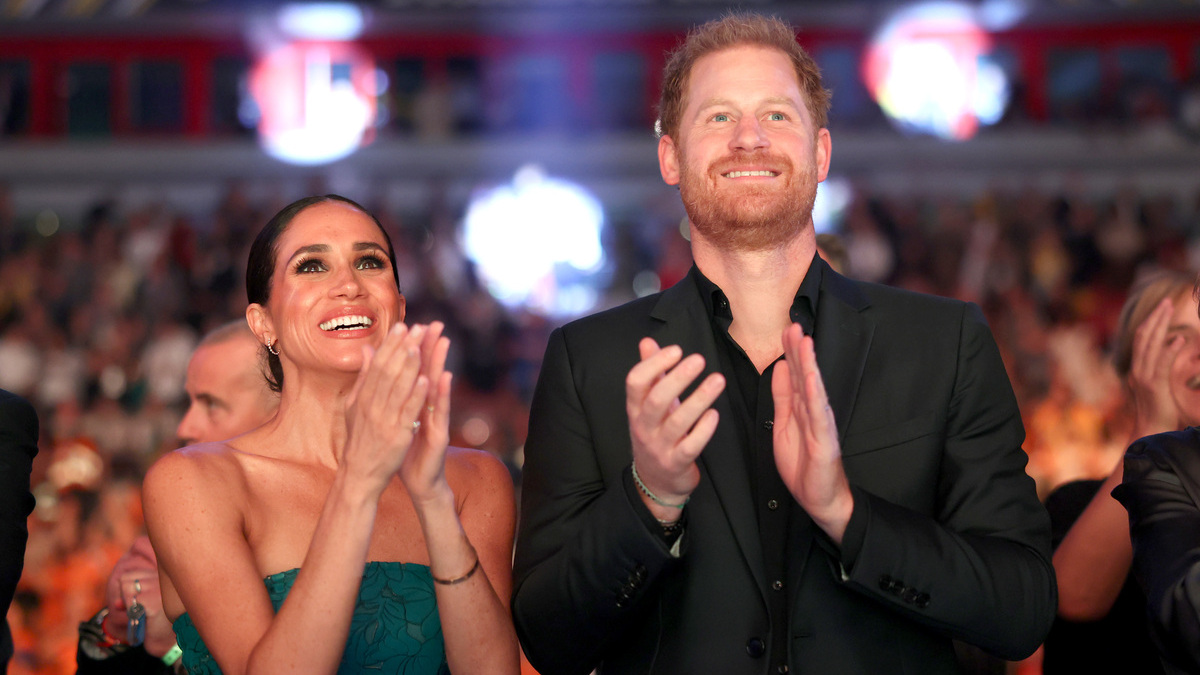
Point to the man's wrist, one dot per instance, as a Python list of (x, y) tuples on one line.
[(173, 654), (664, 511)]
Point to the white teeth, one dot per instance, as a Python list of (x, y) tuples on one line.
[(739, 174), (350, 321)]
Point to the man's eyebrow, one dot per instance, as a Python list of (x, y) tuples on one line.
[(772, 100), (208, 399)]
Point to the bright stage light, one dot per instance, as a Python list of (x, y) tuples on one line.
[(321, 21), (930, 71), (536, 242), (315, 101)]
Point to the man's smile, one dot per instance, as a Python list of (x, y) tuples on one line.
[(745, 174)]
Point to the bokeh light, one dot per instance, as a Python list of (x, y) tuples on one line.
[(536, 242), (930, 71)]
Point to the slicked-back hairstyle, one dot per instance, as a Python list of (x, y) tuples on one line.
[(732, 30), (1141, 301), (260, 266)]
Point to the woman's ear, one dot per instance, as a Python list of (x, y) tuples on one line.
[(260, 323)]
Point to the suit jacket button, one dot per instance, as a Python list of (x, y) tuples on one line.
[(922, 600), (909, 595), (755, 648), (885, 583)]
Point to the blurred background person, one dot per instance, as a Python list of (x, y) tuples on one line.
[(228, 396), (1101, 625)]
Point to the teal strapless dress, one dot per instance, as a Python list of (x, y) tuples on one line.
[(395, 628)]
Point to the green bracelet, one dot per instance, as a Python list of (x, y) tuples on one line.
[(172, 655), (653, 497)]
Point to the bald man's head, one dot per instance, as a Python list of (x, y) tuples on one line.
[(227, 392)]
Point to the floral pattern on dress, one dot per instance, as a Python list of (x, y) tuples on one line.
[(395, 627)]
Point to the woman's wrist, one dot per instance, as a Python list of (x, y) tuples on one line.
[(436, 498), (356, 492)]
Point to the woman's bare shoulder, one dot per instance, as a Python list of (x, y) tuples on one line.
[(201, 470), (472, 466)]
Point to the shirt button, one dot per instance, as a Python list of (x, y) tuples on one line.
[(777, 585), (772, 504), (783, 668), (755, 648), (769, 424)]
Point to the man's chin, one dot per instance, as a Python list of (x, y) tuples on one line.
[(750, 235)]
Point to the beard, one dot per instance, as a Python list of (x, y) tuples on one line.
[(748, 217)]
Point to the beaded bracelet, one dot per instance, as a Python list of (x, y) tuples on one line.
[(458, 580), (653, 497)]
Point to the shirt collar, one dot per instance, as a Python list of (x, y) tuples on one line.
[(804, 305)]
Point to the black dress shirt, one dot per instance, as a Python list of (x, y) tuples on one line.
[(750, 394)]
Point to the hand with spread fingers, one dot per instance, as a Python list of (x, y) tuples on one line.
[(807, 453), (1154, 354), (668, 434)]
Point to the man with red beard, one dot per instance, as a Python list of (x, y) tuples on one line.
[(768, 467)]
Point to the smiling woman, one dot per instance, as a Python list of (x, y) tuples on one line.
[(344, 535)]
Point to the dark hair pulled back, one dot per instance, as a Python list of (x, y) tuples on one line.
[(260, 266)]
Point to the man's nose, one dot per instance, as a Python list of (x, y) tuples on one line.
[(749, 135), (188, 430)]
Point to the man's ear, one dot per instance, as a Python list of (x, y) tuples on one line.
[(668, 160), (824, 153), (260, 323)]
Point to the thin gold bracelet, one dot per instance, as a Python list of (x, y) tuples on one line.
[(458, 580)]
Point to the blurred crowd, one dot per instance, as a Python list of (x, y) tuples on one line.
[(97, 323)]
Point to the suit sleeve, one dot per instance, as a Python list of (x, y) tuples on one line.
[(585, 561), (1164, 522), (979, 569), (18, 445)]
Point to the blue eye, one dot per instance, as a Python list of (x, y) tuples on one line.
[(776, 117), (722, 117)]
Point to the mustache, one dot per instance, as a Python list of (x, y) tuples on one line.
[(760, 160)]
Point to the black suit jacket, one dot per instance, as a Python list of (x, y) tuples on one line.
[(954, 544), (18, 445), (1161, 491)]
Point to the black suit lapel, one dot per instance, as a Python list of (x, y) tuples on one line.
[(685, 323), (843, 337)]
